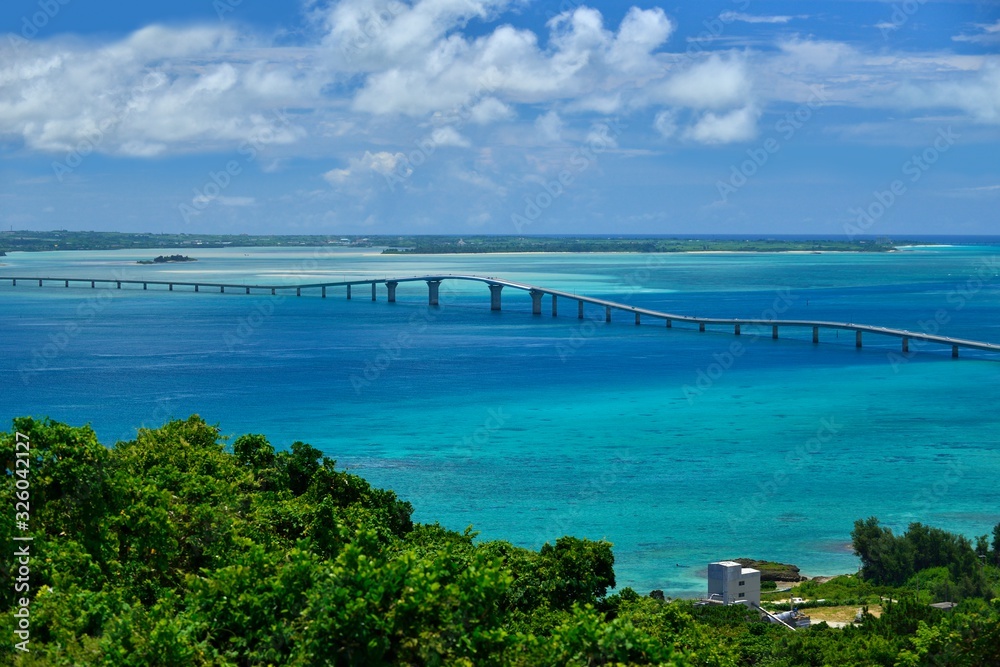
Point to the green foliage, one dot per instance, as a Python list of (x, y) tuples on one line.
[(170, 549), (887, 559)]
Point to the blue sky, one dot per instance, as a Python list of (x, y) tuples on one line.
[(501, 117)]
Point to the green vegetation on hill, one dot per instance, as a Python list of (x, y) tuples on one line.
[(177, 549)]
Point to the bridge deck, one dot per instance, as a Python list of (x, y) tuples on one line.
[(642, 312)]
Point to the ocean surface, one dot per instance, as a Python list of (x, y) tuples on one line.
[(679, 447)]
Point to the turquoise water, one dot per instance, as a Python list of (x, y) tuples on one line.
[(674, 445)]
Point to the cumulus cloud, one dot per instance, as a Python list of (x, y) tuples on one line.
[(715, 83), (448, 136), (490, 110), (737, 125), (157, 89), (549, 126), (582, 56), (975, 93), (382, 163)]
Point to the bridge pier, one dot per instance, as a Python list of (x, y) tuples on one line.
[(323, 291), (272, 291), (536, 301), (144, 286), (373, 291), (433, 287), (607, 313), (555, 310), (701, 326), (248, 290), (906, 344), (117, 282), (222, 289), (736, 330), (13, 282), (391, 286), (39, 282), (170, 284), (195, 288), (954, 351), (815, 334), (857, 339), (774, 332), (67, 284), (495, 290), (637, 319), (298, 291), (579, 310), (669, 323), (348, 292)]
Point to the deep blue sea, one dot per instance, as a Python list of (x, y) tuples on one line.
[(675, 445)]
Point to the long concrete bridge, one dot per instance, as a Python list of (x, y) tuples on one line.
[(536, 293)]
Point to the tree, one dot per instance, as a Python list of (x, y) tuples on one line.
[(996, 544), (884, 558)]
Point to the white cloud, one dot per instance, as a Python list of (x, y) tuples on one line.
[(236, 201), (730, 16), (582, 56), (987, 34), (737, 125), (383, 163), (976, 93), (549, 127), (449, 136), (156, 90), (666, 123), (715, 83), (490, 110)]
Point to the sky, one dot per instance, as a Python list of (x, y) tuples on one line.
[(830, 117)]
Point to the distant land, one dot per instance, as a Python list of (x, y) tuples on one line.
[(167, 259), (33, 241)]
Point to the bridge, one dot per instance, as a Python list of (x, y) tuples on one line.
[(496, 286)]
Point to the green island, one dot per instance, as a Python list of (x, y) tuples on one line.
[(182, 548), (167, 259), (32, 241)]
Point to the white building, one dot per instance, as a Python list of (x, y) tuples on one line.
[(731, 583)]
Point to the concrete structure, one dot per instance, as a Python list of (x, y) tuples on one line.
[(537, 293), (732, 583)]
